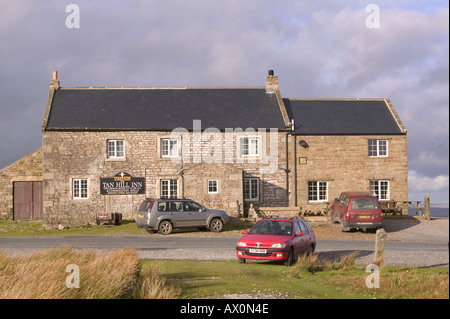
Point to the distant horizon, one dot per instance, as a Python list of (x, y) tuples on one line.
[(439, 205), (434, 211)]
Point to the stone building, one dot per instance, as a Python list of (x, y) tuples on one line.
[(346, 144), (106, 149), (220, 146)]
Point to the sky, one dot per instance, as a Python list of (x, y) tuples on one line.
[(393, 49)]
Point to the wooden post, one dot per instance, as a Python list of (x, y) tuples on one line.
[(379, 246), (427, 207)]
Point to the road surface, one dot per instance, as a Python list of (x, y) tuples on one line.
[(223, 248)]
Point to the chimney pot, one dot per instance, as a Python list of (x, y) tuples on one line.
[(54, 82), (271, 83)]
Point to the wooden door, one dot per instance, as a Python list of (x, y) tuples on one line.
[(28, 200)]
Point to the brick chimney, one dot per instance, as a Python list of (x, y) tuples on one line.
[(54, 82), (271, 82)]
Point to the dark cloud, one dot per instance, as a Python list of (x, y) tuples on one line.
[(317, 48)]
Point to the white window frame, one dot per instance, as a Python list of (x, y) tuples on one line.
[(252, 149), (213, 186), (379, 188), (113, 149), (253, 184), (378, 148), (316, 191), (167, 149), (80, 188), (168, 191)]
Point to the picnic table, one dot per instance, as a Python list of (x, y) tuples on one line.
[(396, 206)]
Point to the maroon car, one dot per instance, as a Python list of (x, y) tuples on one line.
[(281, 239), (357, 210)]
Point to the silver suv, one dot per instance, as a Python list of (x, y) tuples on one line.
[(164, 215)]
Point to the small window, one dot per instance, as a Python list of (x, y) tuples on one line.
[(116, 149), (169, 147), (169, 188), (380, 189), (213, 186), (79, 188), (251, 189), (317, 191), (378, 148), (249, 146)]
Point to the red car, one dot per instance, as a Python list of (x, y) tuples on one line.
[(357, 210), (281, 239)]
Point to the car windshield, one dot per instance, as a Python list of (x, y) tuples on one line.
[(364, 203), (272, 227)]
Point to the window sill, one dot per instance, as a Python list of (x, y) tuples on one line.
[(116, 159)]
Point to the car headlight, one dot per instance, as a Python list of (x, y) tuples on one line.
[(241, 244), (283, 245)]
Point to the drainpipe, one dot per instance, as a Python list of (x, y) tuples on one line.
[(287, 170), (295, 170)]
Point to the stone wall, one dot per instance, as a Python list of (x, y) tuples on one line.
[(28, 168), (71, 155), (343, 162), (229, 186)]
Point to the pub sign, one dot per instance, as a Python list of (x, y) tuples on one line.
[(122, 184)]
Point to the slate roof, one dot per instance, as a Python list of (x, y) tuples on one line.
[(343, 116), (162, 109)]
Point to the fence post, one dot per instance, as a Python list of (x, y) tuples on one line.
[(379, 246), (427, 207)]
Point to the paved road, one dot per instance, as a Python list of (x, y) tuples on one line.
[(178, 247)]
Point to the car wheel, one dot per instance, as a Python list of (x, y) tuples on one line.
[(165, 227), (150, 230), (216, 225), (344, 228), (241, 260), (290, 260)]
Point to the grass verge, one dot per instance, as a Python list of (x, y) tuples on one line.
[(311, 278), (111, 275), (127, 228)]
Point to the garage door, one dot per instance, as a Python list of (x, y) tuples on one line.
[(28, 200)]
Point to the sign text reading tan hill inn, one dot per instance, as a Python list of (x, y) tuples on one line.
[(122, 184)]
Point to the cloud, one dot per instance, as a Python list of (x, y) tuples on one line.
[(419, 183), (437, 187)]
